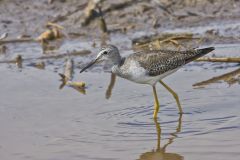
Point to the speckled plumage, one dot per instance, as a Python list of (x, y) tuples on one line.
[(157, 62), (149, 67), (155, 65)]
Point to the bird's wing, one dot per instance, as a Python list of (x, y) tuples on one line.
[(157, 62)]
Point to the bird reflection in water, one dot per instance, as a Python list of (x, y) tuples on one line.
[(160, 153)]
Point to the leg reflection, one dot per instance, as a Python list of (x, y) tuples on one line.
[(108, 93), (160, 153), (158, 129), (174, 134)]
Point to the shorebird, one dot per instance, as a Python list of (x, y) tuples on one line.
[(148, 67)]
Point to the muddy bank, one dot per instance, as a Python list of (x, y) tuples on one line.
[(214, 18)]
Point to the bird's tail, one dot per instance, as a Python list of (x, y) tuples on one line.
[(199, 53), (203, 51)]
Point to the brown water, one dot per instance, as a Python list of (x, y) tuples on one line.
[(39, 121)]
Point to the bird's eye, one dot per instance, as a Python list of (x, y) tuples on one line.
[(105, 52)]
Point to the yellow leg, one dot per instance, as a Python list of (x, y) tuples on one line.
[(156, 103), (174, 95)]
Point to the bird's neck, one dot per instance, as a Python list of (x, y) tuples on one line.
[(116, 66)]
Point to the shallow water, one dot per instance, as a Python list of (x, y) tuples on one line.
[(39, 121)]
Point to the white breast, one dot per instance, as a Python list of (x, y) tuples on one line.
[(134, 72)]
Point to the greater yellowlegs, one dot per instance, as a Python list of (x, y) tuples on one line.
[(148, 67)]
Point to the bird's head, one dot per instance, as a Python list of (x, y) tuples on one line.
[(108, 53)]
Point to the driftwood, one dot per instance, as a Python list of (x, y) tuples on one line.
[(219, 59), (67, 78), (231, 78)]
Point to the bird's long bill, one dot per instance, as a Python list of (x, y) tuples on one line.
[(89, 65)]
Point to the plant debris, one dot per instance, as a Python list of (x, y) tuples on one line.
[(230, 78), (49, 35), (52, 33), (67, 77), (171, 41), (90, 12)]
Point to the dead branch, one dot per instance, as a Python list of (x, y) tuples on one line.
[(228, 77), (219, 59)]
